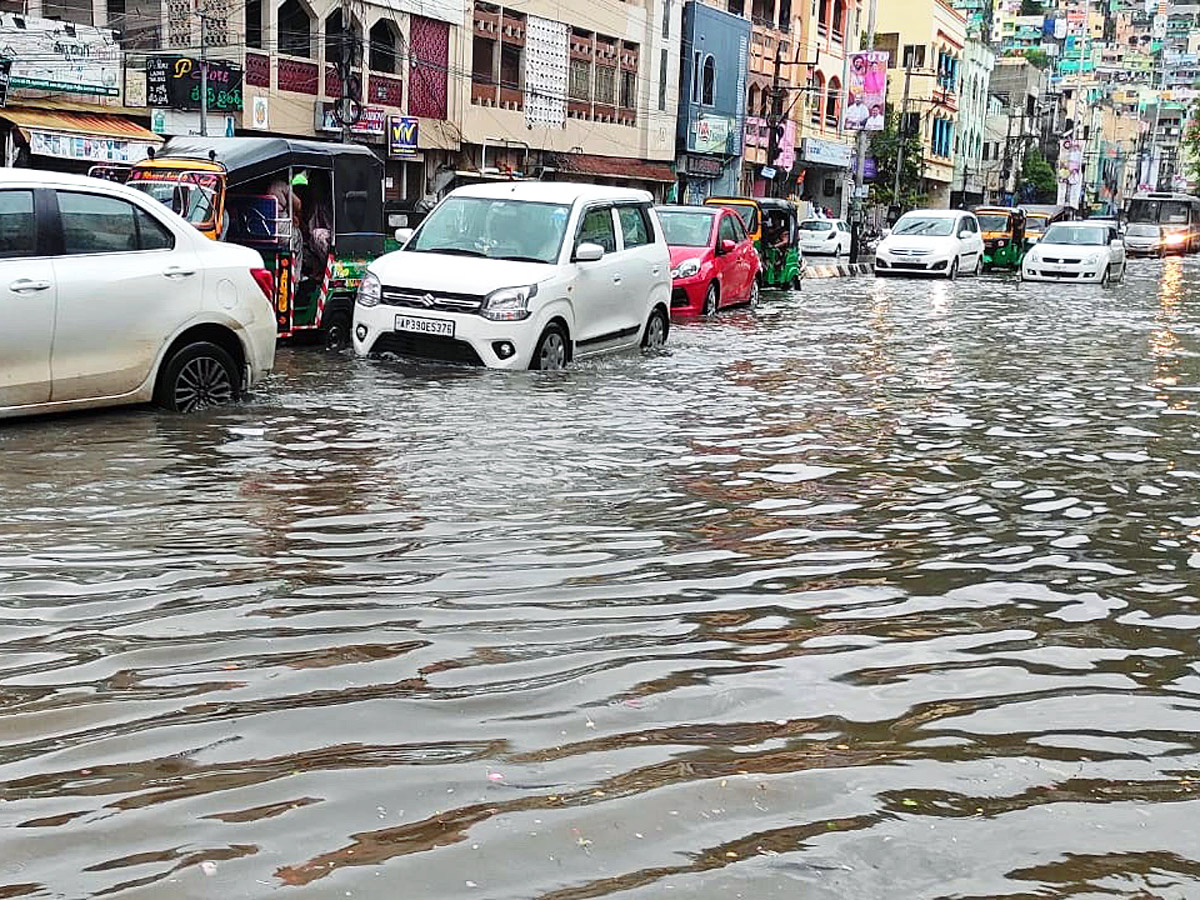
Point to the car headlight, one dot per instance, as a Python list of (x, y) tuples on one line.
[(1175, 238), (508, 304), (686, 269), (1091, 260), (1001, 243), (369, 290)]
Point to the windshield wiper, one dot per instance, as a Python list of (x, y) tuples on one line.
[(532, 259), (450, 251)]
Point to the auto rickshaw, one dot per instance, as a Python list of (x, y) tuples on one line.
[(1003, 229), (313, 210), (1039, 218), (773, 225)]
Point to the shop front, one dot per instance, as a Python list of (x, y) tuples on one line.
[(825, 176), (72, 141)]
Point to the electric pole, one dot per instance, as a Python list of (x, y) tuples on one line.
[(203, 71), (902, 134), (774, 118), (347, 64), (860, 161)]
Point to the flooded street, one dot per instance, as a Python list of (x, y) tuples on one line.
[(886, 589)]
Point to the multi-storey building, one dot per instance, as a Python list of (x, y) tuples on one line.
[(975, 75), (927, 40), (712, 108), (771, 72)]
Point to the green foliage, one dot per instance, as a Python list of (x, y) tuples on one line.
[(883, 149), (1037, 58), (1038, 178), (1032, 8), (1191, 145)]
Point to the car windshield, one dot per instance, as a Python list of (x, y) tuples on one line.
[(689, 228), (1081, 235), (191, 201), (1139, 230), (993, 221), (494, 229), (926, 226), (817, 225)]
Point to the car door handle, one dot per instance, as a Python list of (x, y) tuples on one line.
[(616, 279), (178, 272), (656, 270), (28, 286)]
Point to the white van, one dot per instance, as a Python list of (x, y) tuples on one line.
[(521, 276)]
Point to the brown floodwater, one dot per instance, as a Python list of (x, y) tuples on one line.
[(886, 589)]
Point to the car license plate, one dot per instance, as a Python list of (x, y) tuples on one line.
[(439, 327)]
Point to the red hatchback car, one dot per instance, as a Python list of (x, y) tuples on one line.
[(713, 261)]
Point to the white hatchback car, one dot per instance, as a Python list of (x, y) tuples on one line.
[(1087, 252), (107, 298), (828, 237), (942, 242), (519, 276)]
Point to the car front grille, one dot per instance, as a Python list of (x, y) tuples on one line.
[(915, 266), (427, 346), (910, 252), (1046, 274), (679, 297), (440, 301), (1053, 261)]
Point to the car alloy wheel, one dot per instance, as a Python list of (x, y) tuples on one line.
[(551, 353), (197, 376), (952, 273), (655, 335), (711, 300), (752, 301)]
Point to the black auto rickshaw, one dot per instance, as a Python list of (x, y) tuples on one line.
[(1038, 218), (1003, 230), (313, 210), (774, 227)]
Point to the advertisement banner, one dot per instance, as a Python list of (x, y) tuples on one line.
[(710, 134), (85, 148), (866, 95), (174, 82), (373, 122), (49, 55), (402, 137)]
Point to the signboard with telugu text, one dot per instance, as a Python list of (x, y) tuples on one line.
[(174, 82), (49, 55)]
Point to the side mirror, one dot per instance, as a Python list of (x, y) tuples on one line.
[(885, 232), (588, 252), (726, 246), (965, 233), (403, 235)]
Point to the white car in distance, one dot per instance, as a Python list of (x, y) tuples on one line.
[(108, 298), (1087, 252), (939, 242), (521, 276), (824, 237)]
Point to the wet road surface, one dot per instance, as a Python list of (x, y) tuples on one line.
[(889, 589)]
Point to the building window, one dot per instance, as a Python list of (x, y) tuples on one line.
[(338, 45), (832, 103), (628, 89), (839, 20), (817, 99), (708, 81), (695, 94), (914, 56), (510, 66), (662, 81), (254, 30), (606, 84), (752, 101), (295, 27), (579, 80), (483, 60), (383, 47)]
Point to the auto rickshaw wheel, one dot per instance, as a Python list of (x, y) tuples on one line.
[(337, 330)]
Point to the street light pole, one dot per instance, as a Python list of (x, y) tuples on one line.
[(902, 134), (860, 158), (203, 72), (774, 117)]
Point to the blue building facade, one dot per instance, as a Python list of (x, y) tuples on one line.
[(712, 102)]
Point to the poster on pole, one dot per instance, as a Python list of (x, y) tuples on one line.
[(866, 91)]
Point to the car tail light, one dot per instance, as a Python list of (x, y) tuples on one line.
[(266, 281)]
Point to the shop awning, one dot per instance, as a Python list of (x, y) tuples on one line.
[(616, 167), (78, 123)]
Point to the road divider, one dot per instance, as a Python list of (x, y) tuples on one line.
[(836, 270)]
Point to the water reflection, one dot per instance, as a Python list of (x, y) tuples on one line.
[(886, 588)]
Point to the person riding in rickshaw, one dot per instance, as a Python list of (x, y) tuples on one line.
[(313, 210), (1003, 229)]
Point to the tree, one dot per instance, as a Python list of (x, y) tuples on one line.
[(1032, 8), (1037, 58), (883, 148), (1191, 145), (1039, 184)]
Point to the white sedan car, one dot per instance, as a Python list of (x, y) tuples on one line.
[(521, 276), (824, 237), (940, 242), (107, 297), (1088, 252)]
